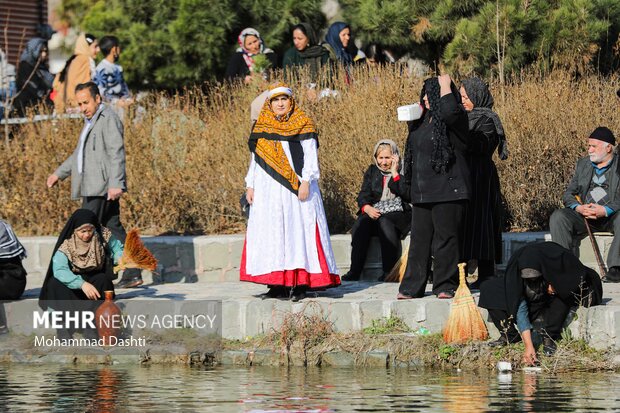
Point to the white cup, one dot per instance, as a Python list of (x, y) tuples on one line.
[(410, 112)]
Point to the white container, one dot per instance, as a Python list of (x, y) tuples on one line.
[(504, 366), (410, 112)]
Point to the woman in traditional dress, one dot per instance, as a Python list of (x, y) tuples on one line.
[(242, 63), (287, 243), (82, 262), (483, 217), (12, 272), (382, 211)]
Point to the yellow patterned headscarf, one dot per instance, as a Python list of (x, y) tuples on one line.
[(270, 130)]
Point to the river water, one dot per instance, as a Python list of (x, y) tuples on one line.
[(60, 388)]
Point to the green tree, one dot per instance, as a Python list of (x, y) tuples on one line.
[(493, 37), (174, 43)]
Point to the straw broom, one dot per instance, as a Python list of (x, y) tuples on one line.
[(464, 322), (398, 271), (135, 254)]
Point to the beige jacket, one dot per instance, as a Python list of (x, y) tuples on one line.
[(78, 72)]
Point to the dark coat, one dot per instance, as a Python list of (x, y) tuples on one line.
[(372, 188), (237, 68), (34, 91), (573, 282), (580, 183), (426, 185), (483, 217)]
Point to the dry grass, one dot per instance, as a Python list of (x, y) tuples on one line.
[(187, 157)]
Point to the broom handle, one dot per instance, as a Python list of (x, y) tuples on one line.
[(597, 252), (462, 272)]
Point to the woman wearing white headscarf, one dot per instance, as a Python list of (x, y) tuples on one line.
[(287, 244), (382, 211), (242, 64), (12, 273)]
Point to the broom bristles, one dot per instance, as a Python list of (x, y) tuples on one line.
[(135, 254), (398, 271), (464, 322)]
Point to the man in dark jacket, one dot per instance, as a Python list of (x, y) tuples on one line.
[(597, 182)]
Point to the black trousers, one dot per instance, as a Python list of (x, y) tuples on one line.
[(436, 229), (12, 278), (57, 291), (108, 213), (566, 223), (390, 229), (549, 314)]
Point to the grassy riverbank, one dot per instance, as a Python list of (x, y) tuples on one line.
[(310, 341), (187, 155)]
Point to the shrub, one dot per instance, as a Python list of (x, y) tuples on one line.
[(188, 155)]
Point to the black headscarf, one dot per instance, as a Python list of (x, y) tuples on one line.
[(313, 52), (559, 267), (479, 94), (79, 218), (443, 152)]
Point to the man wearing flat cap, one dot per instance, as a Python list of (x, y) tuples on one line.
[(597, 182)]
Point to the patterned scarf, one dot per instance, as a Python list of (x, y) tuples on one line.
[(247, 56), (270, 130), (83, 256)]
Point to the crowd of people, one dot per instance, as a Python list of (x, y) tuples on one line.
[(444, 190)]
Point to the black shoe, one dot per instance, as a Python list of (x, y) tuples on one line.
[(549, 346), (500, 342), (132, 282), (275, 291), (612, 276), (350, 277), (298, 294)]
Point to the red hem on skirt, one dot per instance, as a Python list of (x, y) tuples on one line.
[(296, 277)]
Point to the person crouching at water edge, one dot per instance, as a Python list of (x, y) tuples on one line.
[(542, 282), (82, 264), (287, 244)]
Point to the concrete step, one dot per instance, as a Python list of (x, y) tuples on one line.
[(216, 258)]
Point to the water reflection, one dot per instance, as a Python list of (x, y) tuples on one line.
[(65, 389)]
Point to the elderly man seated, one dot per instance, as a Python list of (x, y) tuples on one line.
[(597, 182)]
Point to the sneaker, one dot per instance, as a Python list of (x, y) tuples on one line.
[(132, 282), (445, 295)]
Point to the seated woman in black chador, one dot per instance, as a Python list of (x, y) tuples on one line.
[(542, 282), (81, 267), (12, 272), (381, 212)]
